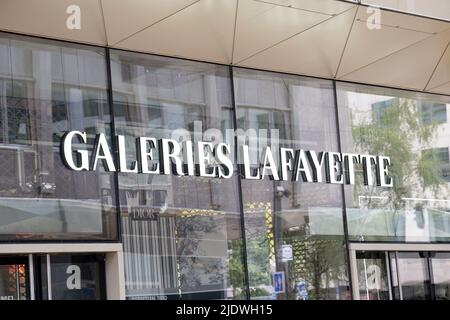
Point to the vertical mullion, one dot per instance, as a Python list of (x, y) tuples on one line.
[(31, 273), (354, 274), (113, 142), (239, 182), (428, 257), (49, 278), (388, 272), (400, 290), (344, 205)]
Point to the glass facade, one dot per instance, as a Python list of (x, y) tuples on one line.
[(189, 237), (296, 112), (190, 245), (46, 89), (413, 129)]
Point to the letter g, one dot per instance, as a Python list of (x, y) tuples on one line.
[(82, 162)]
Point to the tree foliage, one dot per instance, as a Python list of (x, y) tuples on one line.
[(397, 130)]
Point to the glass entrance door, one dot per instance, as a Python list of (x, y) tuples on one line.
[(373, 275), (77, 276), (412, 275), (14, 284)]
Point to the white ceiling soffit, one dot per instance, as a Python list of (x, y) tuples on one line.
[(325, 38), (263, 24), (441, 74), (315, 51), (410, 67), (203, 30), (48, 18), (124, 18), (329, 7), (444, 89), (397, 31)]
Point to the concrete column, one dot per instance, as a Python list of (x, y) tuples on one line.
[(115, 276)]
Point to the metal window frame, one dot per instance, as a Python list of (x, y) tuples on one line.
[(387, 247), (114, 264)]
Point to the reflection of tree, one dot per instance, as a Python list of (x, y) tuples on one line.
[(236, 267), (318, 261), (258, 266), (190, 232), (396, 130)]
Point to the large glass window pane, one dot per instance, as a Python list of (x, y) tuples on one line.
[(181, 234), (412, 129), (414, 275), (46, 89), (304, 219)]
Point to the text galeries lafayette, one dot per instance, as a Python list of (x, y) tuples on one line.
[(211, 160)]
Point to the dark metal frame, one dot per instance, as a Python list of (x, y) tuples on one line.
[(114, 144), (239, 182), (344, 205)]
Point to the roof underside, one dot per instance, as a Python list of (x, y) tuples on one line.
[(323, 38)]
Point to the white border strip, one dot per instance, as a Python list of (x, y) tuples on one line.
[(17, 248), (399, 246), (31, 273)]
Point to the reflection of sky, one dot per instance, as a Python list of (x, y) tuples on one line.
[(425, 224), (357, 100), (49, 215), (440, 270), (325, 221), (412, 271), (361, 105)]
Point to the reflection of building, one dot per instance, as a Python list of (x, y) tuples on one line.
[(95, 235)]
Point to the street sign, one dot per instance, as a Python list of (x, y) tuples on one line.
[(286, 253), (302, 291), (278, 282)]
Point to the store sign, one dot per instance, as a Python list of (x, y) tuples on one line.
[(206, 159), (286, 253), (143, 213)]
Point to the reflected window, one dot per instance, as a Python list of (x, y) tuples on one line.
[(432, 113)]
